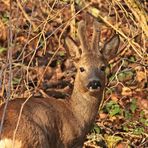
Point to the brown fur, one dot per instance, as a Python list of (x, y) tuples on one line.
[(57, 123)]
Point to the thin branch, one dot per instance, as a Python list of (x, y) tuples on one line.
[(9, 58), (25, 14)]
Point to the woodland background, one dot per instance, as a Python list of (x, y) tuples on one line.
[(34, 60)]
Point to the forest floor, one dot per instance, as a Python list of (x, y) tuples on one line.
[(34, 59)]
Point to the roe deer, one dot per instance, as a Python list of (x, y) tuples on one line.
[(63, 123)]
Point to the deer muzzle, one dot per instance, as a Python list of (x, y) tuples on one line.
[(94, 85)]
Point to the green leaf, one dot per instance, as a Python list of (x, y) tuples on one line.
[(121, 76), (110, 104), (142, 113), (133, 105), (62, 53), (112, 77), (96, 129), (128, 115), (132, 59), (2, 49), (138, 130), (113, 108), (5, 17), (58, 62), (144, 121), (16, 81), (125, 128), (112, 140), (125, 76)]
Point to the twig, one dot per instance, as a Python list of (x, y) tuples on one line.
[(18, 121), (67, 23), (96, 13), (139, 14), (25, 14), (73, 22), (9, 58)]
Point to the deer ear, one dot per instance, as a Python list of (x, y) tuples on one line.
[(111, 47), (73, 48)]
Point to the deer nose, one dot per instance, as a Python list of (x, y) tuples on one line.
[(94, 84)]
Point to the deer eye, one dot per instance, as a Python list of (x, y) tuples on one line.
[(102, 68), (82, 69)]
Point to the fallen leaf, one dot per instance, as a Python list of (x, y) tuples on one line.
[(126, 91)]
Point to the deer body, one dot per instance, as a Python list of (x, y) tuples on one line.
[(57, 123)]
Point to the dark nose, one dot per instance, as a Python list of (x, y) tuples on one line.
[(94, 84)]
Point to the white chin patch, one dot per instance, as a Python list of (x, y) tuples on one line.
[(9, 143), (94, 90)]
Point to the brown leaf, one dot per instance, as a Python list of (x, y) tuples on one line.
[(122, 145), (102, 115), (141, 76), (3, 32), (126, 91), (114, 97)]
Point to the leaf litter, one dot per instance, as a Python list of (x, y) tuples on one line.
[(42, 66)]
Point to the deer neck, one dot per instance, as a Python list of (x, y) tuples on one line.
[(84, 105)]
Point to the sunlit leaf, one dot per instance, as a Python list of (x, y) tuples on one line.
[(112, 140), (2, 49)]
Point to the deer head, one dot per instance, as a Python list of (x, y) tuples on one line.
[(90, 60)]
